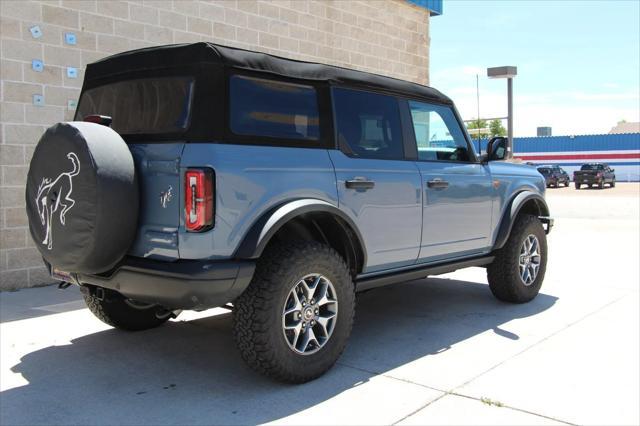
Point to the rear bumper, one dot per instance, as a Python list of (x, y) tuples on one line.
[(176, 285)]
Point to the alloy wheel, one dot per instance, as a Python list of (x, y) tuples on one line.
[(309, 314), (529, 259)]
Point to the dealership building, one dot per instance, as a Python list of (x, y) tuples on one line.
[(46, 45)]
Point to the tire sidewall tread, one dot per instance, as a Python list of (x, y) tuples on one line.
[(503, 274), (114, 311), (258, 311)]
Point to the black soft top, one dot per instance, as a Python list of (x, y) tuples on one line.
[(199, 55)]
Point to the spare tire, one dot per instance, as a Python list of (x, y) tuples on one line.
[(82, 197)]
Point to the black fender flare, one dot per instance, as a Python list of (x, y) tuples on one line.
[(517, 202), (263, 229)]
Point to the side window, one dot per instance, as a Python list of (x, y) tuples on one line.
[(368, 123), (438, 134), (273, 109)]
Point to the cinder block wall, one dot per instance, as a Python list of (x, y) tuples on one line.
[(385, 37)]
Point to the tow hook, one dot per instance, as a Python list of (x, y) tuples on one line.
[(99, 293)]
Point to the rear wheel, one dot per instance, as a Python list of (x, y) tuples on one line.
[(566, 183), (294, 320), (518, 269), (601, 184), (577, 185), (115, 310), (613, 183)]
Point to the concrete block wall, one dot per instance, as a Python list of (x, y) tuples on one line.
[(388, 37)]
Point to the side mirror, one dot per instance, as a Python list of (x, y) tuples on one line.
[(497, 149)]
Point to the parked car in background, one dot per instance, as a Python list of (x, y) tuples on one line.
[(594, 174), (554, 175)]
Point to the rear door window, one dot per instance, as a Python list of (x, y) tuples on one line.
[(275, 109), (368, 124), (142, 106)]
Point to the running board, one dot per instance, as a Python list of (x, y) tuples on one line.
[(367, 283)]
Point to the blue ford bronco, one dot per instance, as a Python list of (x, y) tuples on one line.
[(198, 176)]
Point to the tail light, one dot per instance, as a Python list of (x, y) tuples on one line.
[(198, 200)]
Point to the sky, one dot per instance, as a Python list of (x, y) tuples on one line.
[(578, 61)]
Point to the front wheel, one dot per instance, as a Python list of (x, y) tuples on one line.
[(294, 320), (613, 184), (577, 185), (566, 183), (518, 269)]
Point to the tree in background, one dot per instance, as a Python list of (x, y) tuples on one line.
[(478, 126), (496, 128)]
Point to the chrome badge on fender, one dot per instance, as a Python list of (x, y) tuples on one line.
[(165, 197)]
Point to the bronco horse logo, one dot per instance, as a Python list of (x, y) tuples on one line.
[(55, 195)]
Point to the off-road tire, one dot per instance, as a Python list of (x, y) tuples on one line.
[(503, 274), (613, 184), (601, 185), (257, 313), (566, 184), (577, 186), (113, 310)]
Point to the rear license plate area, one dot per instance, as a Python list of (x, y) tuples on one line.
[(61, 275)]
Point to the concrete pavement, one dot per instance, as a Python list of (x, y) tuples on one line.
[(434, 351)]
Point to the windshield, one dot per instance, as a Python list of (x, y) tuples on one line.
[(142, 106), (592, 167)]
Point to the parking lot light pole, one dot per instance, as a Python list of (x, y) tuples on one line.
[(508, 72)]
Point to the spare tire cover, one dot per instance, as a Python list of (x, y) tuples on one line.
[(82, 197)]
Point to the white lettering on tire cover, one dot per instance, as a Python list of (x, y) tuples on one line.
[(54, 196)]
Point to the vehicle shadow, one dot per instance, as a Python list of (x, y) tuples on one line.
[(189, 372)]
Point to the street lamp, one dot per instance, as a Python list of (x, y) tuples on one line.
[(507, 72)]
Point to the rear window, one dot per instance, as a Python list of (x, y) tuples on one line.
[(142, 106), (592, 167), (368, 124), (273, 109)]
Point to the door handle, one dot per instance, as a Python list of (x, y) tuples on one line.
[(438, 183), (359, 184)]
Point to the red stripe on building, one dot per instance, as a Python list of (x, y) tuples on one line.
[(603, 156)]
